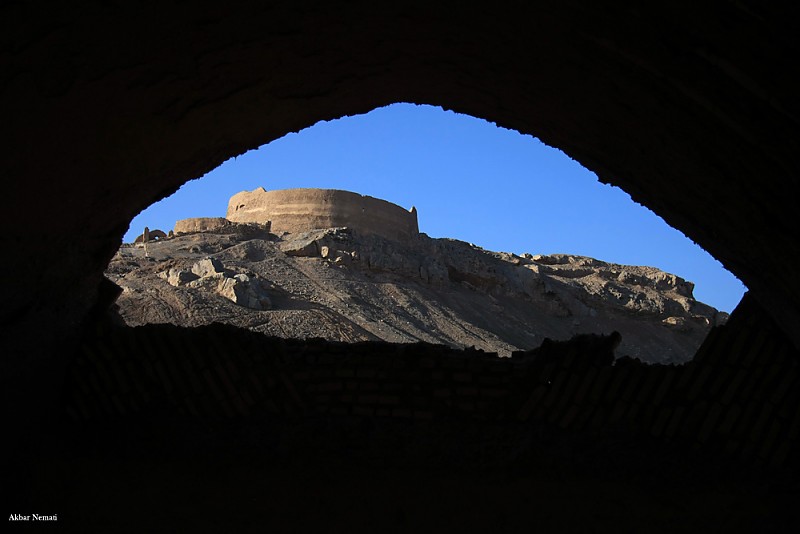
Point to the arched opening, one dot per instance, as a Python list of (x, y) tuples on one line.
[(472, 181), (688, 109)]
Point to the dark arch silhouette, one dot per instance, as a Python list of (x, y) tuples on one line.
[(688, 110), (689, 107)]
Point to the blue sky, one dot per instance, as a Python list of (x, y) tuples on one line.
[(469, 180)]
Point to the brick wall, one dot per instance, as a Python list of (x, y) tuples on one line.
[(737, 400)]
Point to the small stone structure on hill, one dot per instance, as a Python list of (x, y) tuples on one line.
[(200, 224), (150, 235), (300, 210)]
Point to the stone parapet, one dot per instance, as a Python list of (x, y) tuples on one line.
[(200, 224)]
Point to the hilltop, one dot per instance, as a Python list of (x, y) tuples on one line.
[(349, 285)]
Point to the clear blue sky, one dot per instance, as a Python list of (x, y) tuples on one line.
[(469, 180)]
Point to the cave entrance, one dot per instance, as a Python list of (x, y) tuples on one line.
[(535, 231)]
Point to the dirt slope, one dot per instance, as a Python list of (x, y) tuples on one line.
[(340, 285)]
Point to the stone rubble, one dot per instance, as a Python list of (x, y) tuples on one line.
[(209, 273)]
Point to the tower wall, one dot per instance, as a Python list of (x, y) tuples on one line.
[(299, 210)]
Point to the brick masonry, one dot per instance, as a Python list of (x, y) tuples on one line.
[(745, 409)]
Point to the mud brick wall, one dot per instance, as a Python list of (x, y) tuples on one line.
[(304, 209), (744, 409)]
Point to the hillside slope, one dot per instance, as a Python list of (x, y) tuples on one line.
[(340, 285)]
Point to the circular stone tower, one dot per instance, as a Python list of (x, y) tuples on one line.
[(300, 210)]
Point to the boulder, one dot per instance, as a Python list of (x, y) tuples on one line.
[(207, 267), (246, 291), (301, 247), (210, 282), (341, 256), (178, 277), (679, 323)]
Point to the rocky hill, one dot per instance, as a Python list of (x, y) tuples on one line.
[(340, 284)]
